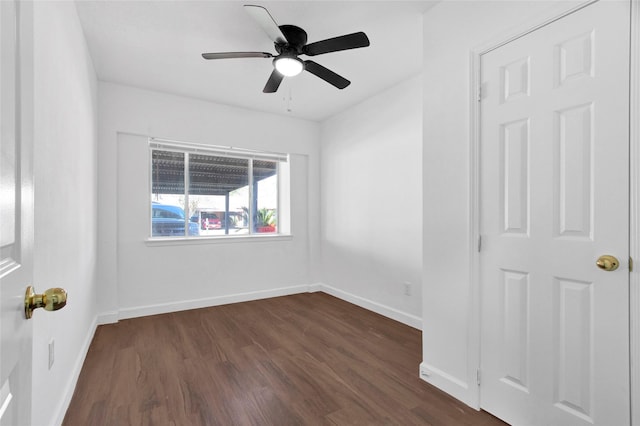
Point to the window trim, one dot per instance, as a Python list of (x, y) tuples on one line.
[(220, 151), (217, 239)]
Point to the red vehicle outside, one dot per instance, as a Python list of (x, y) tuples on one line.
[(209, 221)]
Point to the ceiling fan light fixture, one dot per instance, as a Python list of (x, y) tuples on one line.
[(288, 66)]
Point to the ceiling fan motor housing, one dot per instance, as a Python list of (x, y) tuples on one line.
[(296, 39)]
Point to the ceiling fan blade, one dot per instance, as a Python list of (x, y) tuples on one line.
[(266, 22), (273, 83), (345, 42), (326, 74), (232, 55)]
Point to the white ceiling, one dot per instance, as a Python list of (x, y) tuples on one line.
[(157, 45)]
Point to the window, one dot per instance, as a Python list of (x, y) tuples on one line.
[(200, 190)]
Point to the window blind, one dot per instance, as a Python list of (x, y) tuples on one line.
[(223, 151)]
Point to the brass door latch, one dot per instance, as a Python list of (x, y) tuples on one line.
[(607, 262), (51, 300)]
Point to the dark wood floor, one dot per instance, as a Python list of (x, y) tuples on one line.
[(307, 359)]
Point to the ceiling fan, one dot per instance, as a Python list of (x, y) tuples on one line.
[(290, 42)]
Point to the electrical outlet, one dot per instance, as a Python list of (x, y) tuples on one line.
[(51, 353), (407, 288)]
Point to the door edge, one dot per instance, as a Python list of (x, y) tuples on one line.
[(634, 211)]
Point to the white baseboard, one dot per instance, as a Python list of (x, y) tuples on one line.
[(110, 317), (67, 392), (386, 311), (163, 308), (314, 288), (448, 383)]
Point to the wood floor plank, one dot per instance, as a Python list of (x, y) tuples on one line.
[(307, 359)]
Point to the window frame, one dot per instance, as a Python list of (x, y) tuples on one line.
[(186, 148)]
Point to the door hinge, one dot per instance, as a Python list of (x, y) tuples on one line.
[(479, 243), (630, 264), (482, 91), (478, 376)]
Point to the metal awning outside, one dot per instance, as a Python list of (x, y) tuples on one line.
[(208, 174)]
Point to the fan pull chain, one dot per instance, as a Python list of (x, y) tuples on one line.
[(289, 100)]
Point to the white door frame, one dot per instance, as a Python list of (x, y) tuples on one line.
[(634, 211), (634, 192)]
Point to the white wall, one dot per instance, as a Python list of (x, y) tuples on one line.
[(65, 180), (452, 29), (137, 277), (371, 211)]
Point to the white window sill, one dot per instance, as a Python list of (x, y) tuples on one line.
[(179, 241)]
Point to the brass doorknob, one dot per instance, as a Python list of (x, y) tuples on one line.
[(607, 262), (51, 300)]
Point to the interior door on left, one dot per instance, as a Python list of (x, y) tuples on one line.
[(16, 210)]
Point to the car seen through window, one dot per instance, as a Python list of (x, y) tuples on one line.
[(169, 221)]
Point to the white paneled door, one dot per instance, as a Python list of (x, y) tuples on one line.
[(16, 214), (554, 197)]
